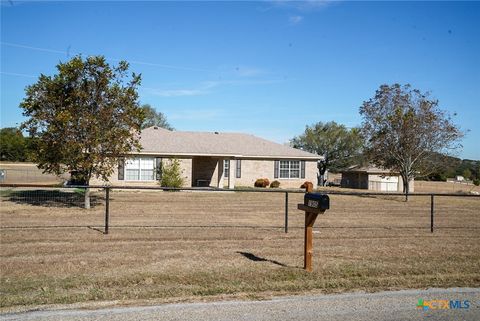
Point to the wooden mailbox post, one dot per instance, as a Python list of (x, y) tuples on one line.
[(314, 204)]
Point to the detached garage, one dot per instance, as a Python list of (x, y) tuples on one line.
[(373, 179)]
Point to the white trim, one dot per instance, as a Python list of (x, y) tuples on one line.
[(290, 169), (139, 170)]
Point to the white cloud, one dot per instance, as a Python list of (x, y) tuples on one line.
[(244, 71), (304, 6), (293, 20), (206, 87), (202, 89)]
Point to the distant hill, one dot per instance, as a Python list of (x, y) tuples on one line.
[(448, 167)]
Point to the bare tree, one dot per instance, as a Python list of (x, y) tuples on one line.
[(404, 129)]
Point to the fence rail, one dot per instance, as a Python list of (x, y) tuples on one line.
[(107, 191)]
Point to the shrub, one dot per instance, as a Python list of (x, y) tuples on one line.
[(476, 181), (266, 182), (172, 174), (275, 184), (258, 182), (307, 185), (262, 182)]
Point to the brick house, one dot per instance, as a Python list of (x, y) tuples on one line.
[(216, 160)]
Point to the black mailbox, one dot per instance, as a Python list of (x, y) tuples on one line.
[(317, 201)]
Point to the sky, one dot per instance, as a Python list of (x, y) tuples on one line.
[(266, 68)]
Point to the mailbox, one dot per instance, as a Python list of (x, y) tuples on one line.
[(317, 201), (313, 204)]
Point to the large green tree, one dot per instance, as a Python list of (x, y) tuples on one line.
[(154, 118), (13, 146), (84, 118), (405, 129), (339, 145)]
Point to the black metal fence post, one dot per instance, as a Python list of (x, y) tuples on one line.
[(431, 212), (107, 208), (286, 212)]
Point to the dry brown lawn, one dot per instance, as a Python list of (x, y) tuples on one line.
[(177, 246), (445, 187), (23, 173)]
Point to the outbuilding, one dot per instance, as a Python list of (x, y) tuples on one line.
[(373, 178)]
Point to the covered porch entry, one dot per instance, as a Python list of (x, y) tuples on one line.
[(211, 172)]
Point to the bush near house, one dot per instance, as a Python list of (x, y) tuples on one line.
[(307, 185), (275, 184), (171, 174), (262, 182)]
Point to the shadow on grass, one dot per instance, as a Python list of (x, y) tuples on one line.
[(254, 258), (51, 198)]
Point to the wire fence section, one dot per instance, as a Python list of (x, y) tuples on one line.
[(27, 206), (40, 206), (27, 174)]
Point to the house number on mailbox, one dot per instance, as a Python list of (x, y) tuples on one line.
[(312, 203)]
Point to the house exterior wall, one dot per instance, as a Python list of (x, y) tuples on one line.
[(253, 169), (411, 185), (186, 170), (384, 183), (211, 168)]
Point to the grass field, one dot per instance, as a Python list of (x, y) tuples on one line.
[(444, 187), (187, 246)]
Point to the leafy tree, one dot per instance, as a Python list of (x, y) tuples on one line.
[(13, 146), (172, 174), (340, 146), (467, 173), (154, 118), (83, 118), (404, 129)]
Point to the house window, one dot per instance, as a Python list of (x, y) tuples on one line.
[(140, 169), (239, 168), (226, 167), (289, 169)]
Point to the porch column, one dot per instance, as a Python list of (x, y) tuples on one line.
[(231, 174), (220, 172)]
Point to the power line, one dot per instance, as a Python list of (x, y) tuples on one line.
[(17, 74), (67, 53), (10, 44)]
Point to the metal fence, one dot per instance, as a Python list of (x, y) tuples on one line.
[(201, 207), (28, 175)]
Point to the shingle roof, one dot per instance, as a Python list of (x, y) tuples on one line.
[(155, 140), (371, 169)]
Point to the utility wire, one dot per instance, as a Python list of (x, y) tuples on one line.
[(17, 74), (67, 53)]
